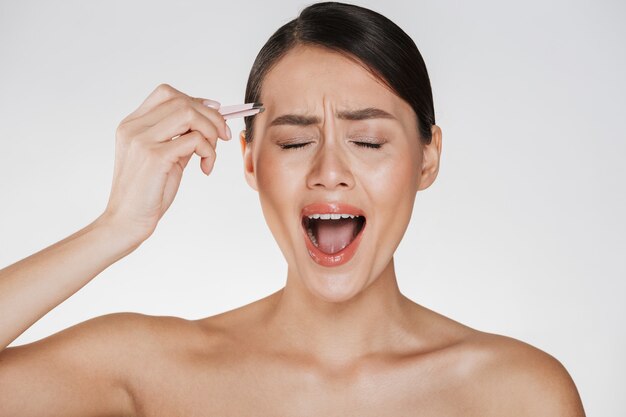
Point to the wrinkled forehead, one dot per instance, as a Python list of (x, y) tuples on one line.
[(308, 79)]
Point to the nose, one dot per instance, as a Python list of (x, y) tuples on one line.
[(330, 170)]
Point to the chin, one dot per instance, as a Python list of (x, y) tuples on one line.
[(333, 287), (335, 284)]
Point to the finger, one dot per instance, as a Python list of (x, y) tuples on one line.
[(181, 149), (162, 93), (206, 163), (184, 161), (181, 122), (181, 104), (212, 113)]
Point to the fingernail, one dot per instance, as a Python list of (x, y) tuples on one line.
[(211, 103), (230, 135)]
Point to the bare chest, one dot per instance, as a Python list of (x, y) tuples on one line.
[(253, 388)]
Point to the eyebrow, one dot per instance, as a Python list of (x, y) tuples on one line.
[(306, 120)]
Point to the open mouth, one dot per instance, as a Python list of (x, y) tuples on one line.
[(332, 231)]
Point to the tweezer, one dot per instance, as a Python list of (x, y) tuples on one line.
[(241, 110)]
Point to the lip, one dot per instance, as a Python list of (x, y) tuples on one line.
[(344, 255), (331, 208)]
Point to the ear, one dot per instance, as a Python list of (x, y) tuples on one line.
[(431, 155), (248, 163)]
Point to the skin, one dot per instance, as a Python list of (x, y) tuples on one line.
[(334, 341)]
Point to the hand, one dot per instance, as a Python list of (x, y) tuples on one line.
[(152, 148)]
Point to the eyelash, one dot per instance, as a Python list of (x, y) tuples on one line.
[(293, 146), (360, 144), (369, 145)]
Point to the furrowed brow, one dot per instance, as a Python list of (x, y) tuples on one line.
[(304, 120), (295, 120), (364, 114)]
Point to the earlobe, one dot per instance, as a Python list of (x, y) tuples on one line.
[(248, 163), (431, 157)]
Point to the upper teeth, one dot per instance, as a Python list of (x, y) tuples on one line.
[(332, 216)]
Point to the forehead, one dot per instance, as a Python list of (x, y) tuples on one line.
[(309, 75)]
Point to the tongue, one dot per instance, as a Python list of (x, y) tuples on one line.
[(334, 235)]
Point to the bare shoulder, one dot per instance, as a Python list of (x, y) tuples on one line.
[(85, 369), (126, 332), (487, 374), (143, 339), (517, 379), (110, 341)]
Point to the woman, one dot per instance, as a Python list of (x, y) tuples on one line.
[(347, 139)]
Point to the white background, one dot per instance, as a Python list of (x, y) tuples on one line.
[(522, 234)]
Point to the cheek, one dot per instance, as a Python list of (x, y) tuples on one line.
[(277, 185), (392, 191), (393, 183), (275, 177)]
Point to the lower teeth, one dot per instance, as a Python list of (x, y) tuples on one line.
[(310, 232)]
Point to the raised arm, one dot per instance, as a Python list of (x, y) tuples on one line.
[(81, 370), (32, 287)]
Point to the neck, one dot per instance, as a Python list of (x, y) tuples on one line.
[(341, 332)]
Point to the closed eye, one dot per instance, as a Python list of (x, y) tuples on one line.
[(294, 145), (368, 145)]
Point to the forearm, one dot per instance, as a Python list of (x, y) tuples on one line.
[(35, 285)]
